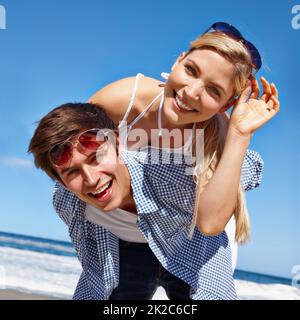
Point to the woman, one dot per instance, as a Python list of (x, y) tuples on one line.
[(215, 74), (204, 83)]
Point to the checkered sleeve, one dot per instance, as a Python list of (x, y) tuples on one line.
[(252, 170), (65, 203)]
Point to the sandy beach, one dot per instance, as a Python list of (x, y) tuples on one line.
[(246, 290), (18, 295)]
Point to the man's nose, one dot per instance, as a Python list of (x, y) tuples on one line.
[(90, 175), (193, 90)]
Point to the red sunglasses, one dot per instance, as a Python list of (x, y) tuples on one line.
[(89, 142)]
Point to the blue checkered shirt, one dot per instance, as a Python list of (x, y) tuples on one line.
[(164, 197)]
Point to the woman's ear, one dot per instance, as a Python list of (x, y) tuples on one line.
[(179, 59)]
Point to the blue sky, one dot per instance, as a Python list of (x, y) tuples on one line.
[(58, 51)]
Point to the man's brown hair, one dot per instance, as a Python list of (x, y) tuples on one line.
[(60, 124)]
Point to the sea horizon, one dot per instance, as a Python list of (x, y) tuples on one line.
[(65, 248)]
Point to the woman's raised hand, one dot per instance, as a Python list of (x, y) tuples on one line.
[(251, 113)]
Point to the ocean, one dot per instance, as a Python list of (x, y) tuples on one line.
[(50, 267)]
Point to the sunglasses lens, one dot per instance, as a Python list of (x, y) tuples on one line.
[(92, 139), (232, 32), (256, 59), (227, 29), (61, 154), (89, 141)]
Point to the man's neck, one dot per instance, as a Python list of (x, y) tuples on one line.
[(128, 203)]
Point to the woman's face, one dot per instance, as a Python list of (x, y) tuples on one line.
[(199, 86)]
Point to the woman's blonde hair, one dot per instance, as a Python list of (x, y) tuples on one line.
[(215, 128)]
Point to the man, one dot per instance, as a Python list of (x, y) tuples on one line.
[(140, 241)]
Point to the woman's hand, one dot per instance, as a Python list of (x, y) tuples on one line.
[(248, 115)]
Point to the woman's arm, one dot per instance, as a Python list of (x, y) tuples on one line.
[(217, 201), (114, 98)]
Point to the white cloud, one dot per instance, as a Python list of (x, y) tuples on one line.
[(16, 162)]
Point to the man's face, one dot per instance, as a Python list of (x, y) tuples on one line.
[(99, 179)]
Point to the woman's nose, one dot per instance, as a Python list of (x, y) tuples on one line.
[(193, 90)]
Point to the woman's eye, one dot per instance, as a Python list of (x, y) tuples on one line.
[(215, 91), (190, 70)]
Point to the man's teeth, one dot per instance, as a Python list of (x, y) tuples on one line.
[(182, 105), (101, 189)]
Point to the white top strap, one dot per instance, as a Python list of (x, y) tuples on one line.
[(159, 124), (164, 75), (146, 109), (132, 97)]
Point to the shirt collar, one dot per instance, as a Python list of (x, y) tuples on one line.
[(144, 196)]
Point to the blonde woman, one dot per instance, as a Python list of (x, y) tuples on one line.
[(215, 74)]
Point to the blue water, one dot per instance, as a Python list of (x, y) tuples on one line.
[(22, 242), (62, 248)]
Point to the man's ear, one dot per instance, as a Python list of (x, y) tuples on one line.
[(231, 102), (179, 59)]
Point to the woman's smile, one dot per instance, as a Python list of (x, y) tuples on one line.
[(182, 107)]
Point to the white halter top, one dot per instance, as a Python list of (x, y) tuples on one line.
[(123, 125)]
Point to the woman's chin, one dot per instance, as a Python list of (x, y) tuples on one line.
[(172, 117), (177, 120)]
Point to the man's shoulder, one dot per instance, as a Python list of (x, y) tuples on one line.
[(159, 180), (160, 165), (66, 204)]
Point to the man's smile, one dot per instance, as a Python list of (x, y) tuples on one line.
[(104, 192)]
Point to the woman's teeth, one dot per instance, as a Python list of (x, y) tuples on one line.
[(182, 105)]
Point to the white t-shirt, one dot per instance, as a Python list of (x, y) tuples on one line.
[(121, 223)]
